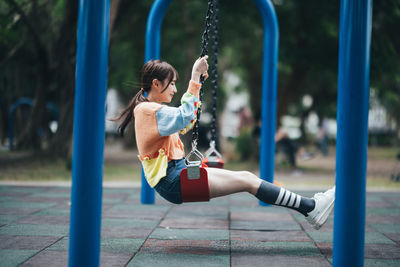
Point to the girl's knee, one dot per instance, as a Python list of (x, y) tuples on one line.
[(249, 179), (253, 181), (248, 175)]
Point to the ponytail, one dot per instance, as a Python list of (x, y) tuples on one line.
[(127, 115)]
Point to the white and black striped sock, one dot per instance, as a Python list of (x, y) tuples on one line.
[(272, 194)]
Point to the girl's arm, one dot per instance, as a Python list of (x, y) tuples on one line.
[(171, 120)]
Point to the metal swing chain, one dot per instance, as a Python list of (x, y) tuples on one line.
[(214, 73), (204, 51)]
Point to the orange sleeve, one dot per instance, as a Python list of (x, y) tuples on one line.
[(194, 88)]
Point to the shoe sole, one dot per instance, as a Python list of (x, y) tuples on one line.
[(323, 216)]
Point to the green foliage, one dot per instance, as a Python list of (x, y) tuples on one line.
[(385, 55), (245, 145), (308, 50)]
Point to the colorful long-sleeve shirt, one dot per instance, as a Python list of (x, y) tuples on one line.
[(157, 127)]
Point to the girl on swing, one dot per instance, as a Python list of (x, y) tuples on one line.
[(161, 150)]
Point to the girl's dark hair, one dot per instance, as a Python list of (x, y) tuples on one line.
[(153, 69)]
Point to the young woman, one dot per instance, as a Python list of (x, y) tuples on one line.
[(157, 129)]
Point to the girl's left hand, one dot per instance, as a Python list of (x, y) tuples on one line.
[(200, 67)]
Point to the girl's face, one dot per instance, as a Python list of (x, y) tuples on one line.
[(165, 94)]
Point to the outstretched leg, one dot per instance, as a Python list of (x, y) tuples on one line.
[(224, 182)]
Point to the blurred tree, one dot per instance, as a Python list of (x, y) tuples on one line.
[(308, 49), (40, 49), (385, 55), (38, 46), (39, 40)]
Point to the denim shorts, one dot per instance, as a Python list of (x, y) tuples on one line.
[(169, 187)]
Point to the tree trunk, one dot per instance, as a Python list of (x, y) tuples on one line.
[(291, 92), (30, 137), (65, 48), (113, 14)]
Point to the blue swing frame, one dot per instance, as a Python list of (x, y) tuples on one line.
[(352, 117)]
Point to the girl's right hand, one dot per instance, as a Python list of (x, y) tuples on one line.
[(200, 67)]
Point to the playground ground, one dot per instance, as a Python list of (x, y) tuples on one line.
[(228, 231)]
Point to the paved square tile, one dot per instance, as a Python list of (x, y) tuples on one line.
[(268, 209), (275, 248), (121, 245), (26, 242), (43, 219), (244, 260), (24, 205), (260, 216), (194, 223), (113, 245), (190, 234), (269, 236), (128, 232), (34, 229), (381, 263), (265, 225), (370, 237), (55, 201), (53, 195), (22, 189), (5, 219), (6, 199), (54, 212), (371, 251), (384, 211), (129, 222), (383, 219), (201, 210), (60, 245), (179, 260), (227, 231), (394, 237), (386, 228), (137, 214), (13, 257), (13, 194), (15, 211), (60, 259), (198, 247)]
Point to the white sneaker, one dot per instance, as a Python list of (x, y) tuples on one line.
[(324, 203)]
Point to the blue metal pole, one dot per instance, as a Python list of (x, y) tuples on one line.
[(152, 51), (88, 134), (352, 136), (20, 101), (269, 90)]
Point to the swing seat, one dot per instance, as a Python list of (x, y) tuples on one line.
[(213, 162), (213, 158), (194, 184)]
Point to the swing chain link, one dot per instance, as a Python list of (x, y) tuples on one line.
[(206, 34), (204, 51), (214, 73)]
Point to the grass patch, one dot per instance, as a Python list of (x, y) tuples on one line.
[(383, 153), (242, 165), (37, 171), (55, 170), (384, 182), (130, 173)]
